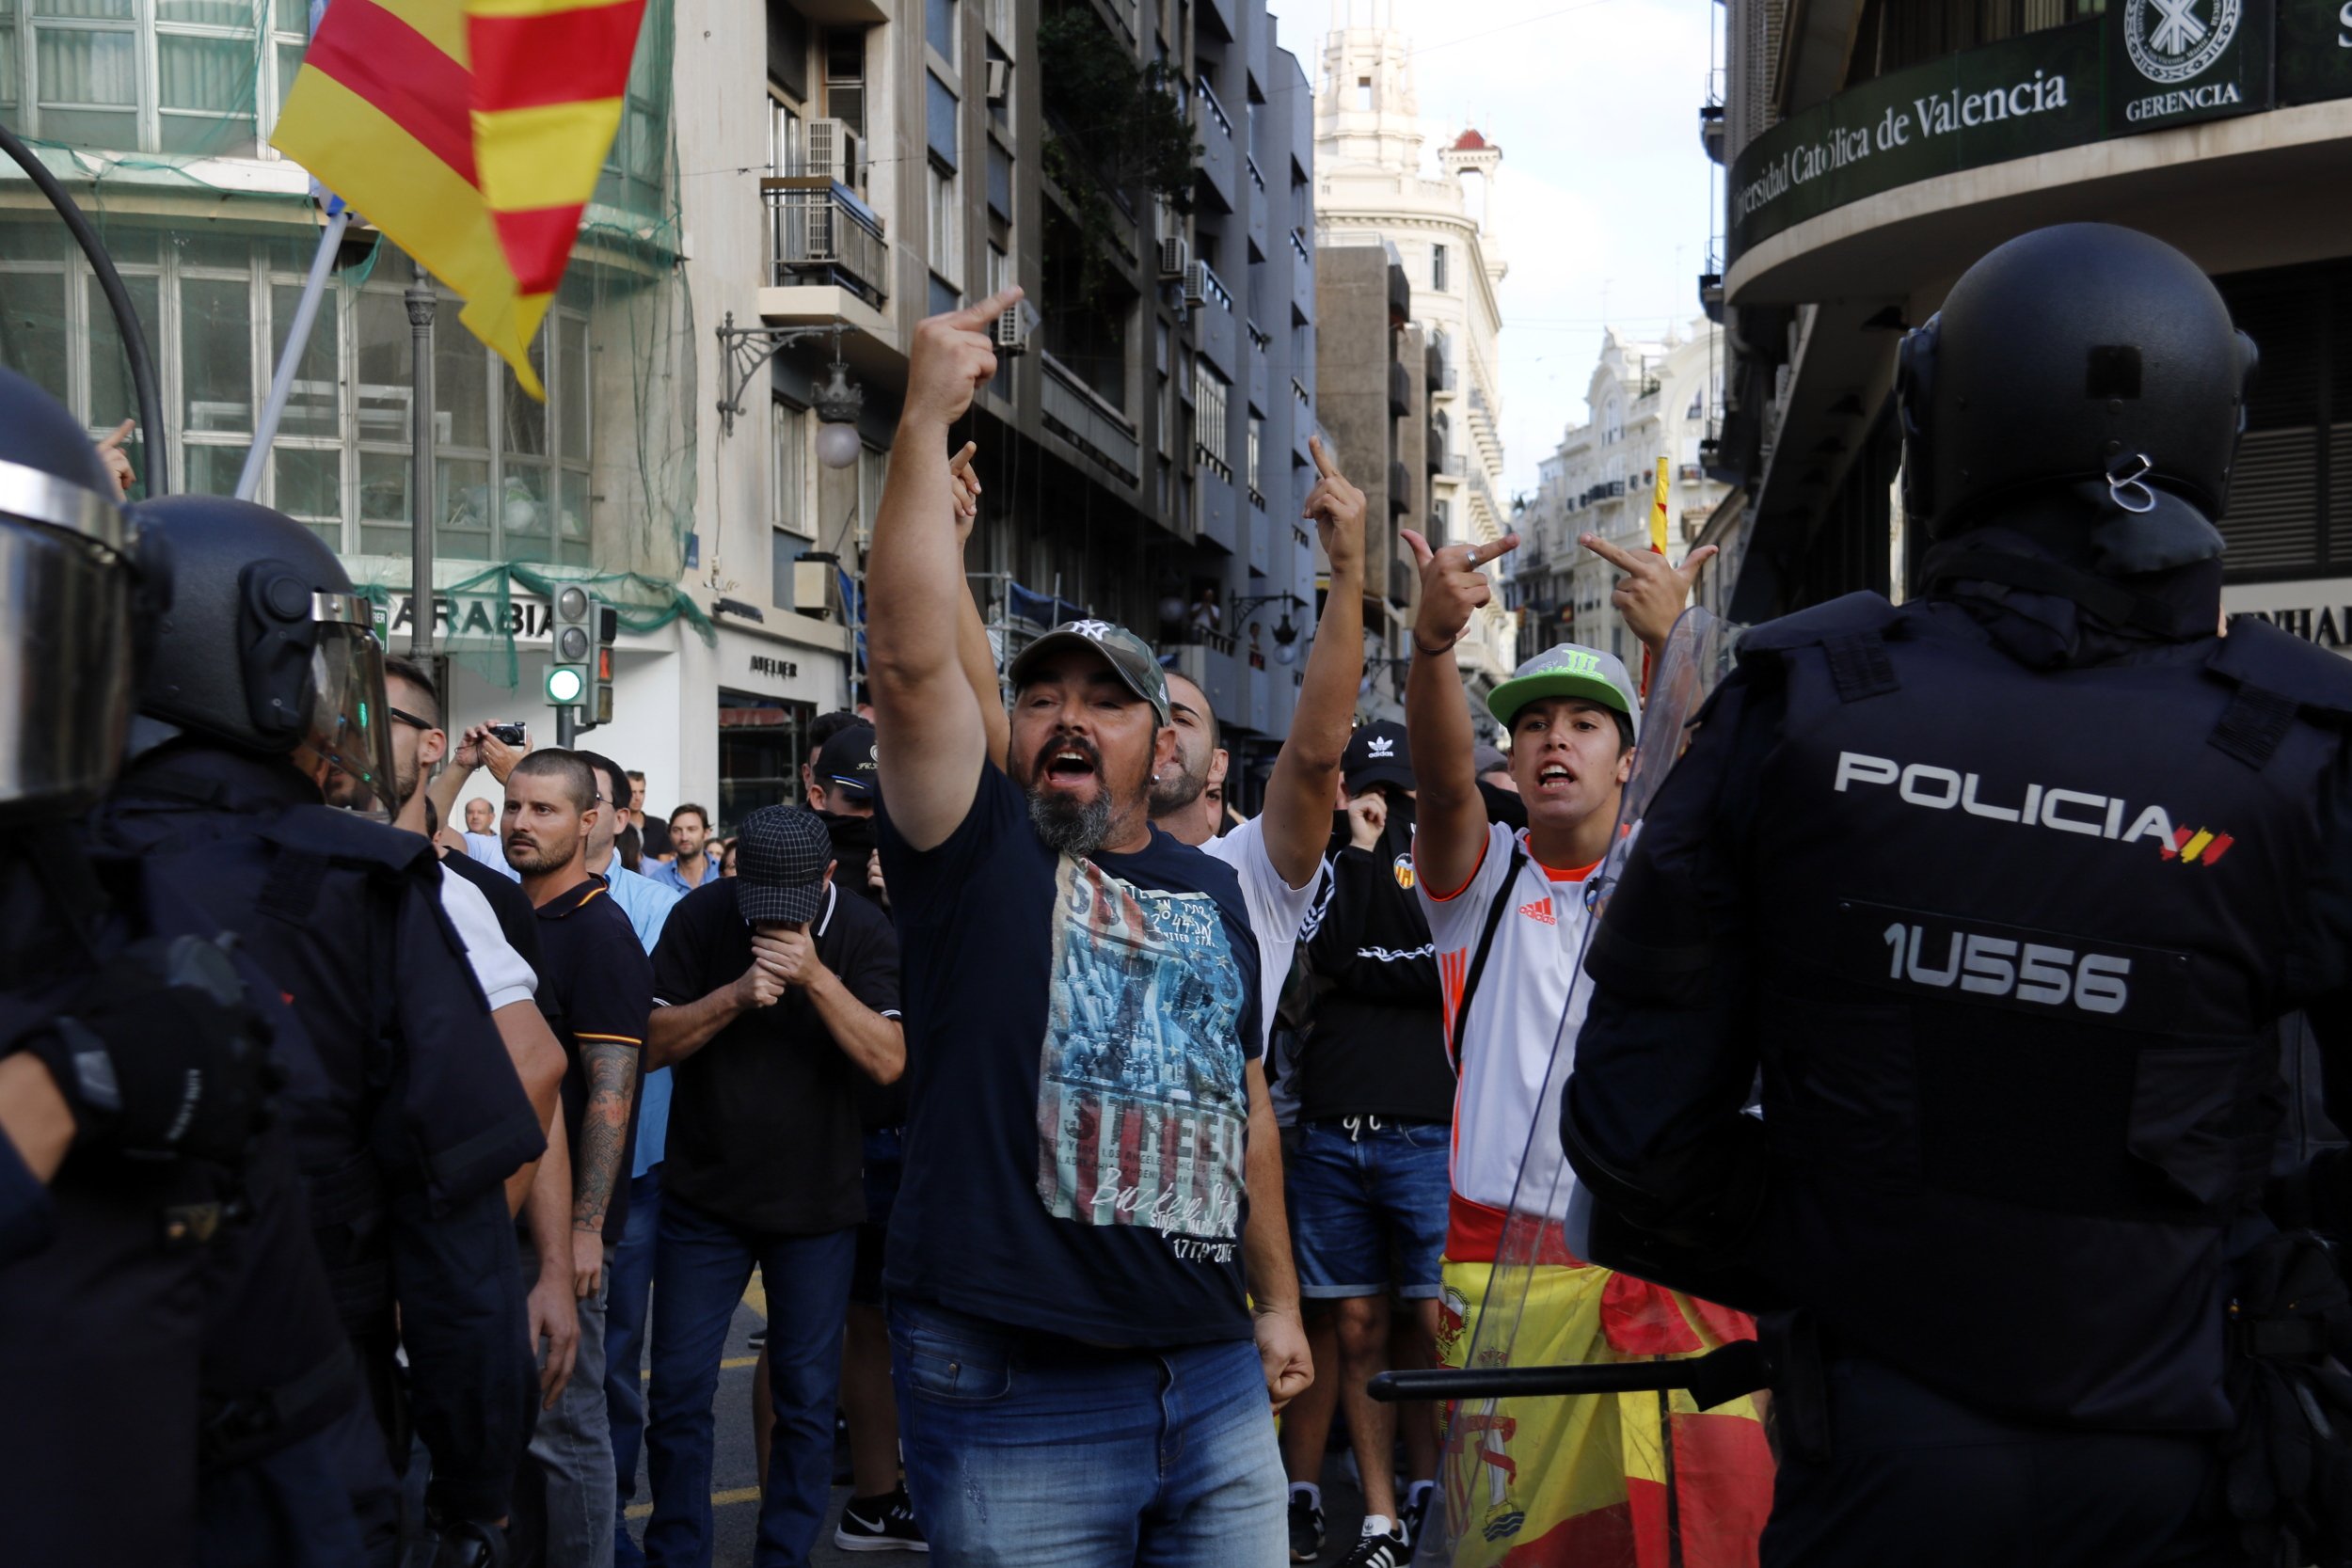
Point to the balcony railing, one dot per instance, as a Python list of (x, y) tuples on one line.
[(1080, 414), (1213, 111), (821, 233), (1256, 178)]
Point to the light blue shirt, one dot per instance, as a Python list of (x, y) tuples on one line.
[(485, 849), (647, 905), (669, 876)]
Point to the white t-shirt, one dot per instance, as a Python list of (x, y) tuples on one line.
[(497, 969), (1276, 909), (1514, 1017)]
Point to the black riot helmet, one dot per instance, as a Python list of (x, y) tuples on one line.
[(2082, 354), (67, 670), (266, 646)]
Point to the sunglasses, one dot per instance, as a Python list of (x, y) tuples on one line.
[(408, 719)]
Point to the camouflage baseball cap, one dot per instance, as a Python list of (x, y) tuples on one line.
[(1130, 656), (1568, 669)]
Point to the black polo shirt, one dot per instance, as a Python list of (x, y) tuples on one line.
[(517, 920), (595, 985), (764, 1126)]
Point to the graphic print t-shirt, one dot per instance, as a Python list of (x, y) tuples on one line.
[(1077, 1035)]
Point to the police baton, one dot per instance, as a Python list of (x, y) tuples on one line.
[(1720, 1375)]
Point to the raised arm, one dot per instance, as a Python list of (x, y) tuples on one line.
[(1450, 816), (930, 737), (972, 646), (1306, 770)]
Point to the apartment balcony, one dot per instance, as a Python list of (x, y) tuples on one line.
[(1400, 389), (1258, 205), (1400, 488), (1302, 271), (1075, 413), (1215, 329), (1218, 158), (1260, 378), (1210, 664), (1217, 503), (821, 233)]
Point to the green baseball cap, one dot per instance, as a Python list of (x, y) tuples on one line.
[(1568, 669), (1131, 658)]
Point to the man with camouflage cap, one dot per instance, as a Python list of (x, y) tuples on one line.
[(1089, 1233)]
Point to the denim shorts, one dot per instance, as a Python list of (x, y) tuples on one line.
[(1368, 1200)]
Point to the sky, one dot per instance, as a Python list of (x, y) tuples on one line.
[(1605, 204)]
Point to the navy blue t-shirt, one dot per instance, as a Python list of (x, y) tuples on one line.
[(1077, 1033)]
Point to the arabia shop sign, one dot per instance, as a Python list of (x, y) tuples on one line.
[(2144, 65)]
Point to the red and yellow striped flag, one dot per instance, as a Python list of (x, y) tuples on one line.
[(1657, 511), (472, 133)]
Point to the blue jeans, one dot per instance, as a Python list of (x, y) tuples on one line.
[(1026, 1451), (1368, 1200), (625, 1301), (701, 1267)]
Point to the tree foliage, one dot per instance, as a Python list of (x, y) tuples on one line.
[(1112, 126)]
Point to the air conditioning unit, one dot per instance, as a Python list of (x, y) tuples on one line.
[(1175, 258), (833, 151), (1691, 473), (1197, 284), (999, 80), (1010, 333)]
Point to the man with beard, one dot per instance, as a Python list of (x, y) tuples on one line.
[(600, 984), (1080, 989)]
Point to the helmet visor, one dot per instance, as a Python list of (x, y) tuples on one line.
[(350, 723)]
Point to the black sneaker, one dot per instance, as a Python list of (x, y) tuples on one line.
[(885, 1524), (1379, 1551), (1416, 1514), (1305, 1526)]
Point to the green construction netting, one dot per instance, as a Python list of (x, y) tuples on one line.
[(155, 114)]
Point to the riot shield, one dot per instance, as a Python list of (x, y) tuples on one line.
[(1637, 1477)]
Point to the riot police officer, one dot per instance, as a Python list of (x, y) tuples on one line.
[(267, 685), (135, 1071), (2002, 890)]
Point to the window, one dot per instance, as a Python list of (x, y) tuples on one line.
[(1250, 462), (939, 27), (938, 120), (1363, 94), (216, 312), (789, 501), (1209, 399), (844, 77), (946, 209), (784, 144), (1437, 268), (999, 19), (999, 181), (634, 167), (145, 76), (999, 270), (873, 466)]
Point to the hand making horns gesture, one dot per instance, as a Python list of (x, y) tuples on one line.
[(1653, 591), (1451, 587)]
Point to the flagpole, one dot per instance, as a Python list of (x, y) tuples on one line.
[(297, 340)]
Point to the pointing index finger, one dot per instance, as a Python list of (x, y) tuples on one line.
[(1480, 555), (1624, 560), (974, 318), (1323, 459)]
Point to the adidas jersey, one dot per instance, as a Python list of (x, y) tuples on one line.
[(1505, 1051)]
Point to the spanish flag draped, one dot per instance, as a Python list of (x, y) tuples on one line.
[(470, 132)]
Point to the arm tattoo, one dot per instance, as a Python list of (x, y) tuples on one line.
[(603, 1129)]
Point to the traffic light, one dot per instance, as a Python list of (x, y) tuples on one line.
[(607, 626), (575, 647)]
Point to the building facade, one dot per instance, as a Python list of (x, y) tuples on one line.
[(1371, 183), (1648, 400), (1876, 149), (794, 188)]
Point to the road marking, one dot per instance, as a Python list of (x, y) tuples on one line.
[(718, 1499)]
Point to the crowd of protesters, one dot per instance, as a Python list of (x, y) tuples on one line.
[(1054, 1105)]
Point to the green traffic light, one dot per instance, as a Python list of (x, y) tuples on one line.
[(565, 685)]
